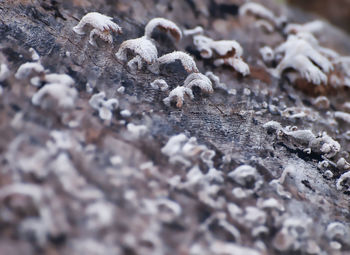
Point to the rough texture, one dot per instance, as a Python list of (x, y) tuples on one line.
[(72, 183)]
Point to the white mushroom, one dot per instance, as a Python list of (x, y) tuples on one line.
[(178, 95), (199, 80), (62, 95), (142, 51), (224, 52), (102, 25), (186, 60), (104, 107), (28, 68), (163, 24), (301, 56)]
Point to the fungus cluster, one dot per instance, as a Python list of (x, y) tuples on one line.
[(223, 52), (105, 107)]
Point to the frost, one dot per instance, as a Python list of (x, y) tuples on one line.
[(160, 84), (59, 94), (27, 69), (4, 72), (142, 50), (104, 107), (164, 25), (102, 25), (198, 80), (301, 56), (177, 95), (186, 60)]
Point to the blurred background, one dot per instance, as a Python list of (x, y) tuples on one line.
[(336, 12)]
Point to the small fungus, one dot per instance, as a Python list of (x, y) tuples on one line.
[(194, 31), (27, 69), (186, 60), (178, 95), (102, 25), (223, 52), (104, 107), (199, 80), (57, 93), (343, 183), (137, 131), (246, 176), (160, 84), (267, 54), (301, 56), (164, 25), (310, 27), (35, 55), (142, 50), (261, 12)]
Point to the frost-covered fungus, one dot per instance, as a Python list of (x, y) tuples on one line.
[(236, 63), (26, 69), (59, 78), (261, 12), (186, 60), (104, 107), (102, 27), (181, 149), (209, 48), (298, 54), (223, 52), (267, 54), (257, 10), (178, 95), (57, 94), (194, 31), (164, 25), (200, 81), (326, 145), (343, 183), (137, 52), (293, 233), (160, 84), (246, 176), (310, 27)]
